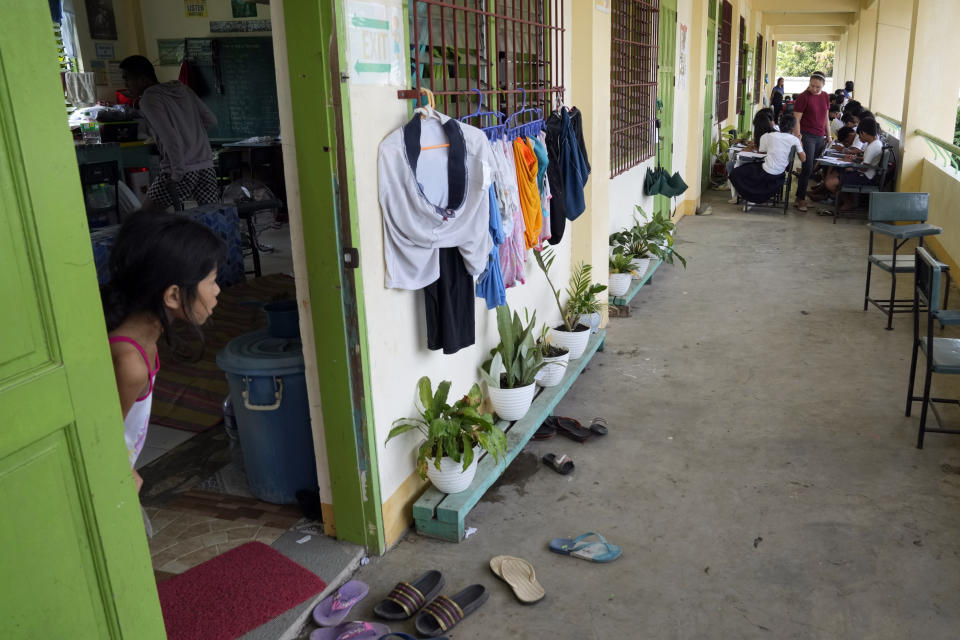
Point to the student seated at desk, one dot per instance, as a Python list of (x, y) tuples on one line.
[(864, 174), (762, 124), (760, 181), (178, 121), (844, 144), (833, 117), (846, 136)]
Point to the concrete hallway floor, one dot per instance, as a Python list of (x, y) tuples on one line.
[(759, 473)]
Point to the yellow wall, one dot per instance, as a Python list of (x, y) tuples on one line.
[(890, 59), (850, 57), (944, 189), (866, 38)]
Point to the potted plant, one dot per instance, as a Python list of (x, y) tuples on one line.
[(632, 243), (719, 149), (581, 300), (555, 360), (448, 456), (621, 272), (511, 371), (658, 232)]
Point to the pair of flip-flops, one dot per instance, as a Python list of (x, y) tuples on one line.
[(582, 547), (437, 614), (570, 428), (519, 574), (331, 611)]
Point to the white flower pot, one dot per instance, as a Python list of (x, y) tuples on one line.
[(552, 372), (511, 404), (640, 266), (574, 341), (619, 283), (451, 478), (591, 320)]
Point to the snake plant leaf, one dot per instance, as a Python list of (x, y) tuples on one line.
[(493, 383)]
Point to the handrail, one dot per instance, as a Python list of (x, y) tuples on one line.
[(947, 153), (889, 119)]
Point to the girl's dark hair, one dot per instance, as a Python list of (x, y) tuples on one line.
[(868, 126), (853, 107), (846, 116), (762, 123), (844, 132), (153, 251), (787, 122), (139, 66), (834, 107), (848, 85), (864, 114)]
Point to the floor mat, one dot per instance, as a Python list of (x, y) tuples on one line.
[(189, 395), (234, 593)]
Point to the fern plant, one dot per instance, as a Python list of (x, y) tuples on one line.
[(450, 430), (582, 294)]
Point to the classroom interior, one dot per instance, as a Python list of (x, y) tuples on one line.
[(196, 495)]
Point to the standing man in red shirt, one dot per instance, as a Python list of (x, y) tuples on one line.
[(810, 110)]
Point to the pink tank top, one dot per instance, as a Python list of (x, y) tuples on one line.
[(138, 418)]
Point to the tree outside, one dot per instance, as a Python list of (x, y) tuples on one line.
[(800, 59)]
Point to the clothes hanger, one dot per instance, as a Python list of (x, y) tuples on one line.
[(529, 127), (493, 131), (429, 111)]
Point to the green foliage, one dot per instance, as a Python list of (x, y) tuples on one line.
[(582, 294), (725, 138), (450, 430), (956, 129), (516, 360), (801, 59), (621, 263), (644, 239)]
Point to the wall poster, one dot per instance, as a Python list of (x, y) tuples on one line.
[(102, 20)]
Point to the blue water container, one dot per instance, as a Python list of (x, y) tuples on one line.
[(269, 394)]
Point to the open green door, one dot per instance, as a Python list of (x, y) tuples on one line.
[(709, 90), (73, 552), (666, 61), (747, 99)]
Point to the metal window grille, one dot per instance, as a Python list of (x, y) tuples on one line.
[(742, 66), (509, 50), (758, 77), (633, 83), (724, 53)]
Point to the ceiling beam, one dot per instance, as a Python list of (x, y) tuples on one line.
[(809, 19), (816, 6), (813, 31), (802, 37)]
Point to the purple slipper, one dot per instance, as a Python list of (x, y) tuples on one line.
[(334, 609), (351, 631)]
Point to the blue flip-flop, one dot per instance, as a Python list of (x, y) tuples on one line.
[(594, 551)]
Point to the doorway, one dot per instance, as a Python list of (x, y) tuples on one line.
[(666, 84)]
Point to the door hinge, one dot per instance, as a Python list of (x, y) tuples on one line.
[(351, 258)]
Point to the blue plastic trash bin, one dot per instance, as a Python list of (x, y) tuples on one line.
[(269, 394)]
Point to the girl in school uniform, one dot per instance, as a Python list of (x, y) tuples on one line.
[(760, 181), (867, 173)]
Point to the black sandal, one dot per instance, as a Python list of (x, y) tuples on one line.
[(562, 464), (570, 428), (545, 432), (407, 597), (599, 426), (443, 613)]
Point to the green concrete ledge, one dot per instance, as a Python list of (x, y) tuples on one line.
[(441, 515), (636, 285)]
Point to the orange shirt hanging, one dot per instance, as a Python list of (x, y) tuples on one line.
[(526, 163)]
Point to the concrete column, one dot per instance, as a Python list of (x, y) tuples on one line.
[(866, 37), (840, 63), (850, 54), (894, 18), (590, 92), (930, 93), (696, 73)]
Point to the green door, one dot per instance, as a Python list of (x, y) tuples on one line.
[(73, 553), (666, 60), (709, 90), (746, 105)]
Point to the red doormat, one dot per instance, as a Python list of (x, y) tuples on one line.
[(234, 593)]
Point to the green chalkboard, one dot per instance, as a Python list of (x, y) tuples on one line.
[(236, 79)]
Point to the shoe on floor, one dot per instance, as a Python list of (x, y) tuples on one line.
[(801, 205), (732, 201)]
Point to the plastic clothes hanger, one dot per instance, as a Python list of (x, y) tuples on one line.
[(427, 111), (493, 131)]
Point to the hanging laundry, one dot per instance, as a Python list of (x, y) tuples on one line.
[(540, 150), (490, 285), (568, 154), (436, 218), (526, 164), (513, 255)]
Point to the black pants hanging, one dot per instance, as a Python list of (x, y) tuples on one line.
[(449, 305)]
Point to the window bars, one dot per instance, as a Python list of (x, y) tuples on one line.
[(493, 47), (724, 53), (758, 78), (742, 66), (633, 83)]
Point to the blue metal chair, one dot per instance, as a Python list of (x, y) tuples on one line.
[(887, 209), (942, 355)]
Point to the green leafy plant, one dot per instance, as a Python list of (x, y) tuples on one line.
[(630, 241), (548, 350), (621, 263), (450, 430), (582, 294), (725, 137), (516, 360), (659, 236)]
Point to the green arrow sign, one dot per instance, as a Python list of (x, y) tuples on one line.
[(372, 67), (369, 23)]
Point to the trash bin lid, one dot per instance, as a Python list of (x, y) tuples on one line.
[(260, 354)]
